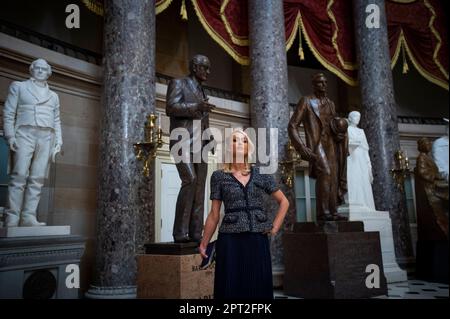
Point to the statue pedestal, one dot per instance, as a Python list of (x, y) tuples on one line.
[(171, 271), (36, 267), (35, 231), (330, 261), (379, 221)]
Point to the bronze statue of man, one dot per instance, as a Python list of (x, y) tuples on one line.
[(431, 194), (325, 149), (187, 106)]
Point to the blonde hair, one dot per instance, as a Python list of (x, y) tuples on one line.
[(227, 167)]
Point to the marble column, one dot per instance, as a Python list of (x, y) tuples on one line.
[(269, 107), (379, 120), (125, 196)]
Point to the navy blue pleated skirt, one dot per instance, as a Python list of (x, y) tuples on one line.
[(243, 266)]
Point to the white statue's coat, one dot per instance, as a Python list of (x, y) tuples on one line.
[(359, 170)]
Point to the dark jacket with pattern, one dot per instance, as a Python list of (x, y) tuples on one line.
[(244, 207)]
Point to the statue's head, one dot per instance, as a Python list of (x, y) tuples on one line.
[(40, 70), (319, 82), (354, 117), (424, 145), (199, 67)]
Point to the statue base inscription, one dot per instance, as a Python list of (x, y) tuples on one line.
[(171, 271), (330, 260)]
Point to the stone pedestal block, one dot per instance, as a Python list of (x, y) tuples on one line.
[(11, 232), (171, 271), (330, 261), (36, 267), (381, 222)]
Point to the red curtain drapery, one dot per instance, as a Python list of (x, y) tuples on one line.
[(417, 30), (415, 27)]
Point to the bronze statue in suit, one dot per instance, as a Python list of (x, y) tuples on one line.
[(188, 108), (326, 148)]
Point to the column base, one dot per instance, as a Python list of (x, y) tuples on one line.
[(121, 292)]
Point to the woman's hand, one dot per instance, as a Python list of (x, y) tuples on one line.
[(202, 250), (273, 231)]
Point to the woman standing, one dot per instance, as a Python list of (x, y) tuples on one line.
[(243, 263)]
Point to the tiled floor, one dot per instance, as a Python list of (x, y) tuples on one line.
[(411, 289)]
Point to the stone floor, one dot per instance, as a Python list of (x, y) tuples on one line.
[(411, 289)]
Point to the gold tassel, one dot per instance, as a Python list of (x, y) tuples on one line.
[(183, 11), (300, 46), (405, 63)]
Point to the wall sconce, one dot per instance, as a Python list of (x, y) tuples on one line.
[(146, 150), (288, 166), (401, 169)]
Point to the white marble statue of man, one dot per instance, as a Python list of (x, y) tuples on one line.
[(359, 167), (33, 130), (440, 153)]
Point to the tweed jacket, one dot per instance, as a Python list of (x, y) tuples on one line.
[(244, 208)]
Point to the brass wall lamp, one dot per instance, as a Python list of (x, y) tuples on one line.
[(146, 150), (288, 167), (401, 169)]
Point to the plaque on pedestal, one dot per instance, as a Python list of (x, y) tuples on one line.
[(172, 271), (334, 260)]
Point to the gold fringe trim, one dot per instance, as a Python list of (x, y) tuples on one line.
[(397, 50), (183, 11), (344, 64), (291, 38), (162, 5), (301, 54), (216, 37), (405, 63), (436, 34), (238, 40), (94, 6)]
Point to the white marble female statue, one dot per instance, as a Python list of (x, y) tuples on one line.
[(359, 168)]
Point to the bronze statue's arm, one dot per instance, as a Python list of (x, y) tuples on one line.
[(175, 105), (294, 135)]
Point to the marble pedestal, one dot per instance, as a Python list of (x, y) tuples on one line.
[(378, 221), (35, 267), (330, 261), (171, 271), (11, 232)]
